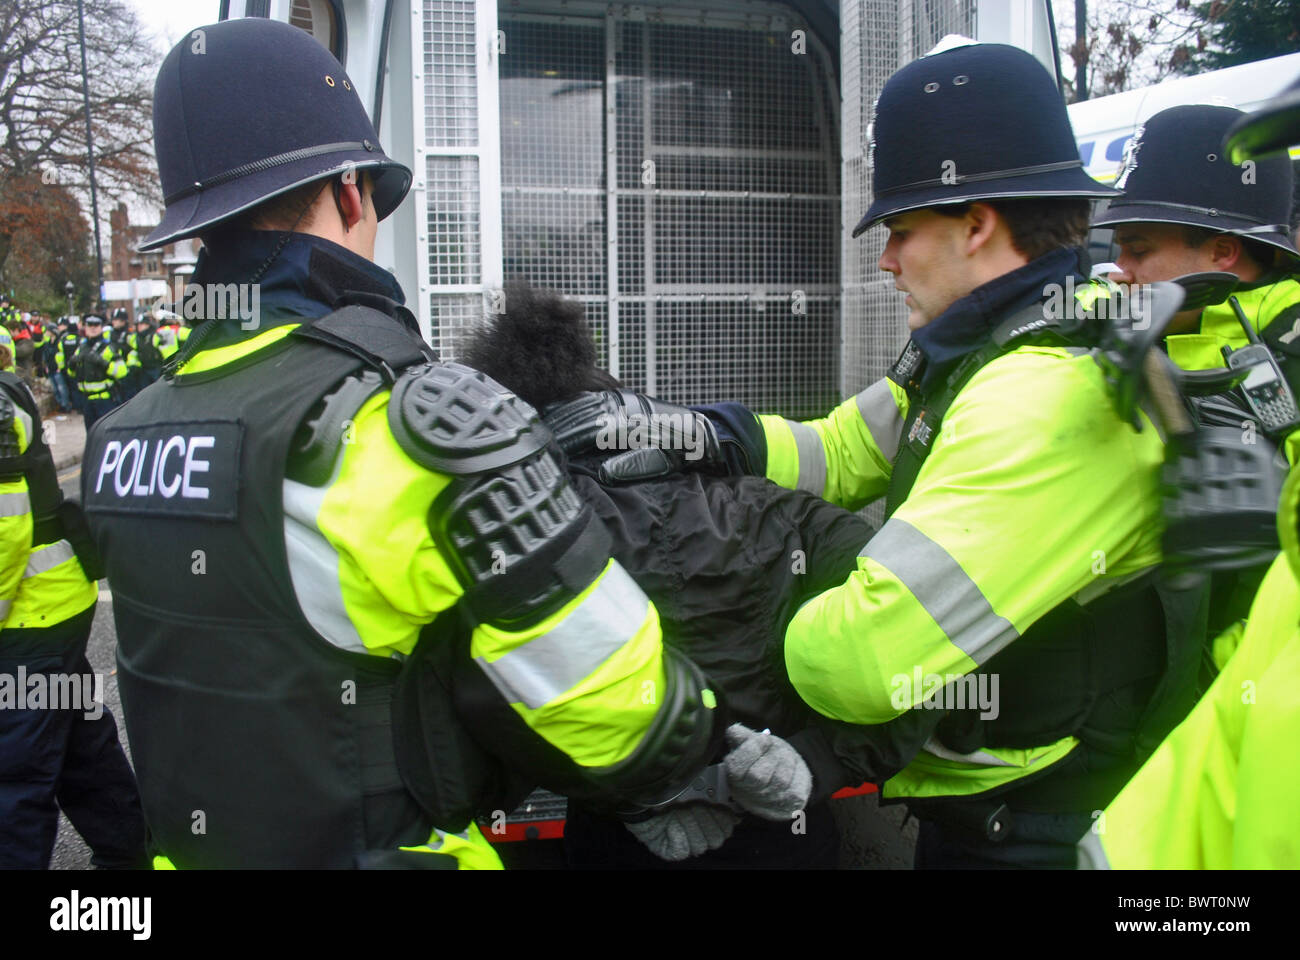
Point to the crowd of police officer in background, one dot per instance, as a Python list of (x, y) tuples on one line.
[(94, 363)]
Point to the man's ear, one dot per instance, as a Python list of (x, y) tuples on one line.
[(350, 202), (1226, 252), (981, 224)]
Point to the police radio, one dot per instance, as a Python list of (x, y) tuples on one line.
[(1264, 388)]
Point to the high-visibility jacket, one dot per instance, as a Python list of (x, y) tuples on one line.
[(145, 350), (330, 577), (1273, 311), (65, 348), (169, 338), (1263, 306), (97, 366), (1221, 791), (1035, 495), (42, 583)]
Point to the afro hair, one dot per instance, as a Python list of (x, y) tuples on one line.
[(540, 347)]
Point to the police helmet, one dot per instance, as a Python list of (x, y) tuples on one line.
[(1176, 171), (977, 121), (249, 109), (1274, 126)]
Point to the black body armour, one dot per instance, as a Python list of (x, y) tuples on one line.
[(257, 742), (1117, 671), (151, 357)]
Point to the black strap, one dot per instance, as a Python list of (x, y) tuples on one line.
[(380, 340)]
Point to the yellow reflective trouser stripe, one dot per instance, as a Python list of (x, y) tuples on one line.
[(545, 667), (943, 588), (162, 863), (782, 453), (15, 504), (883, 418)]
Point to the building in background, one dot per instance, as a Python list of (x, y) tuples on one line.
[(138, 280)]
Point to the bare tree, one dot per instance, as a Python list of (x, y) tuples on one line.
[(1125, 44), (42, 111)]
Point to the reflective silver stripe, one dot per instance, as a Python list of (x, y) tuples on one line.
[(5, 607), (978, 759), (942, 587), (15, 504), (1092, 856), (48, 558), (812, 458), (546, 666), (884, 420), (314, 566)]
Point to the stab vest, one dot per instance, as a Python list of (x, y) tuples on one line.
[(256, 742), (1117, 671)]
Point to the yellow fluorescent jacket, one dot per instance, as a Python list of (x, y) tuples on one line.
[(1033, 492)]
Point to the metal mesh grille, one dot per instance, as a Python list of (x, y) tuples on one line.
[(450, 77), (453, 219), (451, 316), (727, 200), (878, 36)]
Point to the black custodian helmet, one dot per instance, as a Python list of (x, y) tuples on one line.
[(980, 121), (1176, 171), (249, 109)]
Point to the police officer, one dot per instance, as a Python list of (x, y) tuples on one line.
[(145, 349), (170, 335), (65, 348), (373, 604), (97, 366), (62, 750), (9, 315), (123, 341), (1017, 562), (1187, 209), (1220, 791)]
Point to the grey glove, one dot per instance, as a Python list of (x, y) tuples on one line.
[(767, 776), (685, 831)]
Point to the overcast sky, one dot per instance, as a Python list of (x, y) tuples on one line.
[(169, 20)]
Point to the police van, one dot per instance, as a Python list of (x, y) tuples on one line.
[(1104, 126)]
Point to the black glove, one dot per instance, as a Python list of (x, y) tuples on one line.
[(655, 438)]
